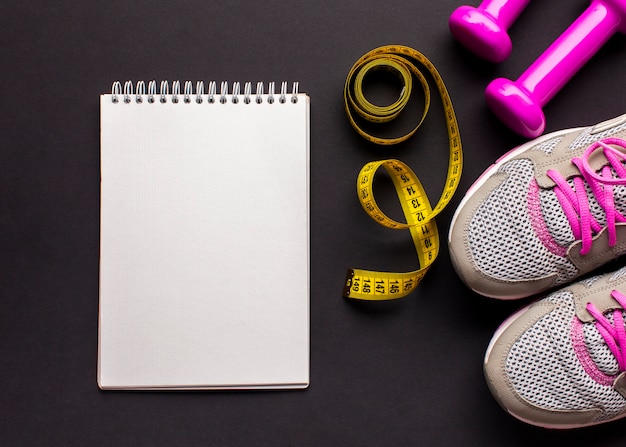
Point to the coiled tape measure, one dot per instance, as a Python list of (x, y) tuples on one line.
[(419, 215)]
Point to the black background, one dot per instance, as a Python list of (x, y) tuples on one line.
[(396, 373)]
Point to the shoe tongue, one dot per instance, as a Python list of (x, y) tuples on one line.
[(599, 350), (556, 221)]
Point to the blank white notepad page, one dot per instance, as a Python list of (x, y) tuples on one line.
[(204, 251)]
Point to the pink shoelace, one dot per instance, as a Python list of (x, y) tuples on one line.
[(574, 201), (614, 334)]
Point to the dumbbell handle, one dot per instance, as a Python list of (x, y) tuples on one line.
[(551, 71), (518, 104)]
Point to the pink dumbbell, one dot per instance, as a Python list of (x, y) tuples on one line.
[(518, 104), (483, 30)]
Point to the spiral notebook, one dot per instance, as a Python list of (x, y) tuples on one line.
[(204, 239)]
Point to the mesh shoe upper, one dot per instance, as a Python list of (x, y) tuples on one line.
[(513, 235)]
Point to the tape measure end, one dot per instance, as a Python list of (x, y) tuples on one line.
[(348, 283)]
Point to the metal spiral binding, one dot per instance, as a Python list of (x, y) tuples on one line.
[(139, 93), (223, 92), (175, 91), (164, 91), (236, 92), (259, 92), (294, 93), (247, 91), (128, 90), (212, 91), (188, 90), (151, 91), (199, 91), (270, 95)]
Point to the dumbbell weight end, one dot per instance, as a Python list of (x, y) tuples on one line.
[(481, 33), (516, 107)]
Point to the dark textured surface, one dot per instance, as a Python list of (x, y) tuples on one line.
[(399, 373)]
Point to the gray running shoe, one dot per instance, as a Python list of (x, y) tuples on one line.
[(544, 214), (561, 361)]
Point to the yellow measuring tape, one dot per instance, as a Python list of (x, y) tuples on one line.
[(419, 215)]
